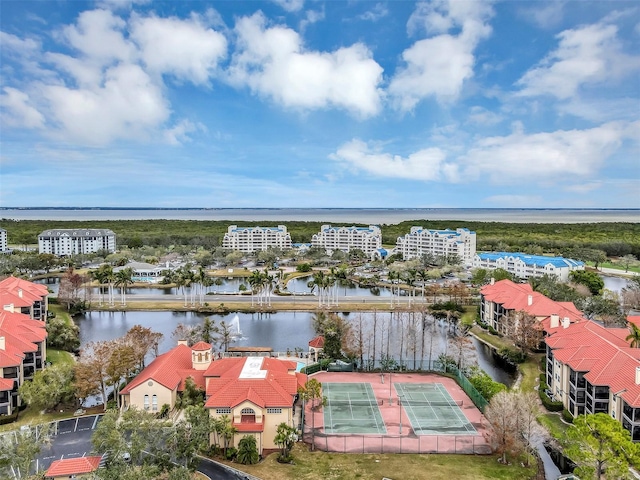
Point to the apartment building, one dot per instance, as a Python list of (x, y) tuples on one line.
[(253, 239), (367, 239), (593, 369), (589, 368), (4, 248), (420, 241), (22, 337), (65, 242), (525, 266), (501, 303)]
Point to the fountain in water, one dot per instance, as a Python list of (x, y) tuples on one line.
[(235, 327)]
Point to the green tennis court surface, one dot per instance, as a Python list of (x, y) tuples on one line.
[(351, 408), (431, 410)]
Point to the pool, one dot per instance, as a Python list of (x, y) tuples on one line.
[(300, 365)]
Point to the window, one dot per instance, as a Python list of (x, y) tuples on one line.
[(221, 411), (146, 402), (274, 410), (248, 415), (154, 403)]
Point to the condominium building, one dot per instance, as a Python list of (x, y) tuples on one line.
[(3, 241), (253, 239), (22, 338), (420, 241), (589, 368), (525, 266), (65, 242), (368, 239)]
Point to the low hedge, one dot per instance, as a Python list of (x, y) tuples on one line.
[(566, 416), (4, 419), (547, 402)]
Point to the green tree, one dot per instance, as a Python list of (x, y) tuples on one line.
[(634, 335), (598, 442), (312, 393), (124, 279), (286, 437), (484, 384), (591, 280), (62, 334), (19, 450), (628, 261), (50, 387), (247, 451)]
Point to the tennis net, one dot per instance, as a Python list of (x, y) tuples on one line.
[(426, 403), (366, 403)]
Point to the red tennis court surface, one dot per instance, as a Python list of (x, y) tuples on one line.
[(400, 437)]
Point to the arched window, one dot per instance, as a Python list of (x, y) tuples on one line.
[(146, 402), (247, 415)]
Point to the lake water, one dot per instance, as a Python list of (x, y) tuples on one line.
[(291, 330), (378, 216)]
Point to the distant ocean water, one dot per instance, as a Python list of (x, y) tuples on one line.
[(374, 216)]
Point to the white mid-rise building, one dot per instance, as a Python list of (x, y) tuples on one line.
[(368, 239), (71, 241), (525, 266), (253, 239), (440, 243), (3, 241)]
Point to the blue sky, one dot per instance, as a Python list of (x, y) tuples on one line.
[(300, 103)]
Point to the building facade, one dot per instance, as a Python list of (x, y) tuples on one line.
[(525, 266), (253, 239), (255, 393), (4, 248), (23, 337), (65, 242), (503, 302), (593, 369), (367, 239), (420, 241)]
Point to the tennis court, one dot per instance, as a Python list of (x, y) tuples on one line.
[(432, 411), (351, 408)]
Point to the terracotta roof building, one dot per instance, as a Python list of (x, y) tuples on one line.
[(22, 338), (18, 295), (257, 393), (67, 468)]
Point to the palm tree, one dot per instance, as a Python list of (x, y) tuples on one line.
[(227, 433), (101, 275), (255, 281), (423, 275), (634, 335), (247, 451), (124, 279), (206, 282), (409, 278)]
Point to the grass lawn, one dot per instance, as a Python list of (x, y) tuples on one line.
[(554, 424), (616, 266), (60, 313), (335, 466), (59, 356), (530, 371)]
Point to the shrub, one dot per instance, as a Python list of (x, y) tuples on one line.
[(549, 404), (566, 416), (231, 453)]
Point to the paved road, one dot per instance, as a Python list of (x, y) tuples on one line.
[(215, 471)]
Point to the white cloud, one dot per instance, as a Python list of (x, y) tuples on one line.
[(439, 66), (290, 5), (424, 165), (17, 110), (128, 105), (543, 156), (545, 14), (583, 188), (585, 55), (187, 49), (378, 11), (311, 17), (179, 133), (11, 43), (121, 4), (481, 116), (273, 62)]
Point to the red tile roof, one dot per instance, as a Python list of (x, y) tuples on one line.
[(6, 384), (225, 388), (317, 342), (170, 369), (73, 466), (603, 353), (249, 427), (201, 346), (21, 335), (22, 292)]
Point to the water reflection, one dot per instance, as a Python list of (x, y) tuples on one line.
[(400, 335)]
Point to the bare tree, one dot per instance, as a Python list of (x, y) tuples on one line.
[(502, 414)]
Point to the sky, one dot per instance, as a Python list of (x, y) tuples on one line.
[(320, 104)]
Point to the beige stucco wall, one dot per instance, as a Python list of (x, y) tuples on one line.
[(270, 421), (165, 395)]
